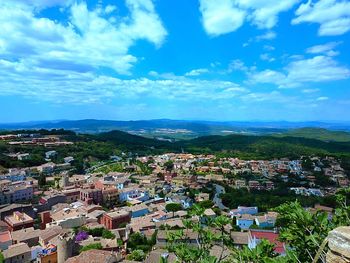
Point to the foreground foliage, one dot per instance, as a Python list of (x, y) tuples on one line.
[(303, 232)]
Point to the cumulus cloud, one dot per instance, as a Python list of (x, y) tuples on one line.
[(327, 49), (322, 98), (308, 91), (333, 16), (221, 17), (298, 72), (42, 4), (197, 72), (267, 57), (68, 86), (237, 65), (225, 16), (87, 40), (267, 36)]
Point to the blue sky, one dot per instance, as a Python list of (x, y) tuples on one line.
[(178, 59)]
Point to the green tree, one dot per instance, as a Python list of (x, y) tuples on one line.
[(306, 232), (42, 180), (220, 222), (206, 204), (262, 253), (173, 207), (169, 165), (138, 241), (137, 255), (107, 234)]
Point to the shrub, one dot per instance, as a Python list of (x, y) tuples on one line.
[(137, 255), (91, 246)]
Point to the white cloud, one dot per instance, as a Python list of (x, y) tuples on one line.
[(327, 49), (308, 91), (197, 72), (298, 72), (332, 15), (267, 57), (265, 13), (267, 36), (267, 76), (221, 17), (42, 4), (225, 16), (269, 48), (237, 65), (316, 69), (273, 96), (322, 98), (86, 42), (67, 86), (110, 8)]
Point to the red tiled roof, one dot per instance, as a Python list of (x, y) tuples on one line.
[(272, 237), (5, 236)]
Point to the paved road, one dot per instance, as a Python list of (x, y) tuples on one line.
[(217, 200)]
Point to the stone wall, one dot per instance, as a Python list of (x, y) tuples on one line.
[(339, 245)]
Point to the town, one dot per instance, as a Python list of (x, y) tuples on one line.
[(130, 208), (179, 131)]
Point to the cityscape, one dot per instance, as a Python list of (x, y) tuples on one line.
[(62, 202), (174, 131)]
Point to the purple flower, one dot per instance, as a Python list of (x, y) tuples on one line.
[(81, 236)]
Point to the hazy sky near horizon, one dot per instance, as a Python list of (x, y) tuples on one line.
[(179, 59)]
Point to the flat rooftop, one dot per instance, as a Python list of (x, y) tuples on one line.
[(18, 218)]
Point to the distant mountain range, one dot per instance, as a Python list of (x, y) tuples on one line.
[(165, 129)]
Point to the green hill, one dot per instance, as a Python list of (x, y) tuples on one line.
[(319, 134), (91, 148), (265, 147), (243, 146)]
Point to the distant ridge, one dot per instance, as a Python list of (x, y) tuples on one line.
[(319, 134), (188, 129)]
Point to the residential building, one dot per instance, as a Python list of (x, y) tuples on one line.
[(254, 185), (19, 221), (50, 154), (202, 197), (68, 159), (30, 236), (189, 236), (91, 196), (115, 219), (68, 217), (267, 220), (239, 239), (269, 185), (110, 196), (5, 240), (16, 192), (48, 201), (47, 254), (240, 183), (251, 210), (130, 193), (48, 234), (245, 221), (138, 210), (94, 255), (10, 209), (18, 253), (72, 195), (255, 237)]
